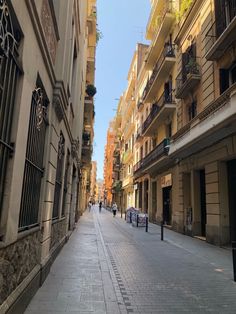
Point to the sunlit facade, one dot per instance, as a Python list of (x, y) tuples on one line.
[(182, 156), (108, 165)]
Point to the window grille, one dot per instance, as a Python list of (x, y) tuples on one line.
[(59, 173), (9, 72), (34, 168), (65, 183)]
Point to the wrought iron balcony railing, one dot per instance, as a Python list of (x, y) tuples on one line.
[(159, 151), (166, 98), (168, 51), (168, 8), (139, 133), (187, 78)]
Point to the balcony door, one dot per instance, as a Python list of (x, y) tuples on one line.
[(168, 90)]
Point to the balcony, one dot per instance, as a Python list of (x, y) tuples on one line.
[(116, 153), (160, 72), (222, 32), (116, 186), (86, 155), (129, 128), (127, 156), (214, 123), (163, 23), (164, 107), (140, 105), (187, 79), (138, 136), (116, 167), (153, 157), (128, 181)]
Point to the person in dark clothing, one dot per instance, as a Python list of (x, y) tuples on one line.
[(100, 206)]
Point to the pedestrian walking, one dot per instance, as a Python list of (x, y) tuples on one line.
[(100, 206), (89, 205), (114, 209)]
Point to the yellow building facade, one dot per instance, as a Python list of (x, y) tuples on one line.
[(184, 145)]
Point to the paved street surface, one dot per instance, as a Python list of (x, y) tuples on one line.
[(110, 267)]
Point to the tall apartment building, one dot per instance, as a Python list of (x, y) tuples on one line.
[(184, 149), (117, 195), (100, 191), (44, 65), (108, 164), (203, 146), (89, 112), (153, 171)]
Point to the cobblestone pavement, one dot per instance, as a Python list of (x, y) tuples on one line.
[(111, 267)]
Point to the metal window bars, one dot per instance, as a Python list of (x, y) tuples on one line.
[(59, 173), (9, 72), (34, 162)]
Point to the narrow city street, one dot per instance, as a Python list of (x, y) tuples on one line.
[(108, 266)]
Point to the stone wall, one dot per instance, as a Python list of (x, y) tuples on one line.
[(58, 232), (17, 261)]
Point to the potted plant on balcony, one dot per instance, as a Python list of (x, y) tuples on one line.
[(192, 66), (91, 90)]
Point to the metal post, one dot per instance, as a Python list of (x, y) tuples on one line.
[(146, 224), (137, 221), (125, 215), (162, 230), (234, 258), (130, 217)]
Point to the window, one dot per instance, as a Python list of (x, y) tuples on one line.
[(59, 173), (67, 167), (192, 110), (224, 80), (227, 77), (146, 147), (34, 162), (9, 72), (141, 152), (169, 130), (154, 142), (233, 74)]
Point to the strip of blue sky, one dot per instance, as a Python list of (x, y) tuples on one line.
[(123, 24)]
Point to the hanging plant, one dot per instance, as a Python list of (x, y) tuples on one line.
[(184, 7), (91, 90)]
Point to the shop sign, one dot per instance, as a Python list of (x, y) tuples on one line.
[(166, 180), (136, 186)]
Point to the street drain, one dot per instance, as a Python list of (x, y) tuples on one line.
[(123, 292)]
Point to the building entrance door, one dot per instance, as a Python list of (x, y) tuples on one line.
[(231, 166), (167, 210), (203, 202)]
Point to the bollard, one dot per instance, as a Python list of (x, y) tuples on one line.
[(162, 230), (137, 220), (125, 215), (234, 258), (146, 224), (130, 217), (121, 213)]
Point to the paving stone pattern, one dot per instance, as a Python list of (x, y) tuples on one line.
[(111, 267)]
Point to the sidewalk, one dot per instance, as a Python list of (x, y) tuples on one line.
[(110, 267), (220, 258), (79, 280)]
